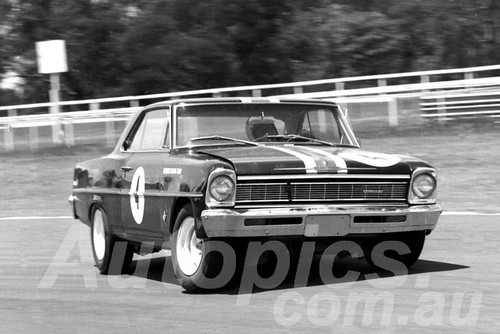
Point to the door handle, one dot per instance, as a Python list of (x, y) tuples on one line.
[(126, 168)]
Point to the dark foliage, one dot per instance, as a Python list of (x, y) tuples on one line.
[(125, 47)]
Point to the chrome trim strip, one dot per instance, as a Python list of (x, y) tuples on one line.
[(148, 193), (156, 150), (97, 191), (387, 205), (321, 176), (286, 192), (325, 201), (173, 144), (264, 100), (231, 222), (176, 194), (347, 129), (323, 169), (259, 100), (305, 183)]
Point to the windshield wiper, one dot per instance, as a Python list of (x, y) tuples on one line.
[(246, 142), (290, 137)]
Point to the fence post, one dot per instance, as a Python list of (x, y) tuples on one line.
[(441, 107), (34, 140), (55, 108), (110, 133), (256, 93), (9, 133), (382, 82), (392, 105), (298, 90), (339, 86), (468, 75), (425, 79), (9, 139), (110, 127), (69, 133)]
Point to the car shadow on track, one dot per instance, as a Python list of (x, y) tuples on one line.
[(344, 271), (157, 269)]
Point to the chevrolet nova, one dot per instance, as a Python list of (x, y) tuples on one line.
[(188, 172)]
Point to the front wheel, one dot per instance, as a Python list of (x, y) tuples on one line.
[(110, 256), (199, 263)]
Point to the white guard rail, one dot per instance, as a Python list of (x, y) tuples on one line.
[(380, 91)]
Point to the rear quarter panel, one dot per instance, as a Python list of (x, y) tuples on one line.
[(98, 182)]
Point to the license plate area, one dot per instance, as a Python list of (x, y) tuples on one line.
[(327, 225)]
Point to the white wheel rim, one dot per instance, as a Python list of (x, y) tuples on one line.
[(188, 247), (98, 235)]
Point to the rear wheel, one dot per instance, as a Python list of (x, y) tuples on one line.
[(110, 256), (199, 263), (377, 256)]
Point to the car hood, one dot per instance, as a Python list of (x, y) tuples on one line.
[(309, 159)]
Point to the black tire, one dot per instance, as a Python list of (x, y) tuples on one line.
[(110, 255), (200, 264), (414, 240)]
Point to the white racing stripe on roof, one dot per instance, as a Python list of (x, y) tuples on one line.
[(339, 162), (309, 162)]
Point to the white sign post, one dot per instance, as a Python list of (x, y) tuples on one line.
[(52, 60)]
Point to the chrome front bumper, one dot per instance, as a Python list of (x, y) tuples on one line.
[(319, 221)]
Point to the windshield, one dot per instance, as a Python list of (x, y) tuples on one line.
[(260, 123)]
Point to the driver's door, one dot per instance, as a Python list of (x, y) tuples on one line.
[(141, 204)]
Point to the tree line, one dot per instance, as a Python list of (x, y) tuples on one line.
[(126, 47)]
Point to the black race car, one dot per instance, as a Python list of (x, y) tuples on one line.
[(206, 176)]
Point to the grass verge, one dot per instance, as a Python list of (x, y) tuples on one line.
[(38, 184)]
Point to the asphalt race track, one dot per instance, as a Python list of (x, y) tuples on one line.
[(48, 284)]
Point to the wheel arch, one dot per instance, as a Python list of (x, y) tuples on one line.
[(197, 206), (94, 206), (176, 208)]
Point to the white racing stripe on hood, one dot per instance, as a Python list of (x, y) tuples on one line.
[(372, 158), (308, 161), (339, 162)]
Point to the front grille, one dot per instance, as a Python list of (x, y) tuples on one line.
[(320, 192)]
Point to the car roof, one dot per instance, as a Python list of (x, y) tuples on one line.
[(242, 100)]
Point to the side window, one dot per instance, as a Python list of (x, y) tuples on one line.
[(152, 133)]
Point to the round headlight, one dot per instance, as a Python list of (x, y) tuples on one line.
[(423, 186), (222, 188)]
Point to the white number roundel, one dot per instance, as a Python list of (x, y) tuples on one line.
[(136, 194)]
